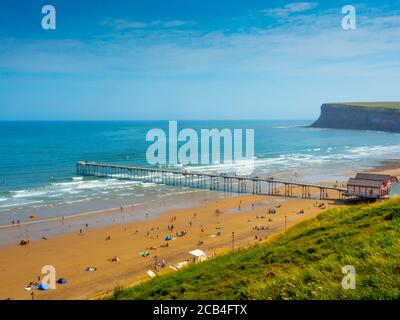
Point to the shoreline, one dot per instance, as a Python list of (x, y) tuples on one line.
[(71, 252), (102, 218), (383, 166), (92, 206)]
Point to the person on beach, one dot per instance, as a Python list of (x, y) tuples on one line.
[(122, 209)]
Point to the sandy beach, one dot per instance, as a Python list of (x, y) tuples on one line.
[(207, 226)]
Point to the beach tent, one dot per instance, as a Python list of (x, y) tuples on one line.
[(168, 238), (151, 274), (43, 286), (181, 264), (198, 255), (62, 281)]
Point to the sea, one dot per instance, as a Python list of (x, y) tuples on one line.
[(38, 161)]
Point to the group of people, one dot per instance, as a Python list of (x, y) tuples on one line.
[(258, 228), (159, 264)]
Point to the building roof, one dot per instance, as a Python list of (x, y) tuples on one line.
[(364, 183), (374, 177), (197, 253)]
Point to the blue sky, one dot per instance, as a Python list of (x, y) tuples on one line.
[(186, 59)]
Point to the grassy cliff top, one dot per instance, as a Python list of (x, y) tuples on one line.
[(303, 263), (372, 104)]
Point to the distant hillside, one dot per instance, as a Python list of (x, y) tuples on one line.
[(381, 116), (303, 263)]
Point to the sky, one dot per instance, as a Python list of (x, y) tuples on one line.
[(194, 59)]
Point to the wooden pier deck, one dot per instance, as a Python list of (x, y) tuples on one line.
[(212, 181)]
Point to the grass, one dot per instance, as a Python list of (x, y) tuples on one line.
[(303, 263), (380, 105)]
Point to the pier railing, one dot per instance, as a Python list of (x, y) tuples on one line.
[(211, 181)]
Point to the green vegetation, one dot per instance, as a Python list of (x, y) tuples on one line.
[(378, 105), (303, 263)]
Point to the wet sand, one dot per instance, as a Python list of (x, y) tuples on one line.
[(72, 252), (391, 167), (35, 229)]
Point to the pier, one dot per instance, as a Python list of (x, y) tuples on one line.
[(212, 181)]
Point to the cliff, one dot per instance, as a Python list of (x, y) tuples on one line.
[(383, 116)]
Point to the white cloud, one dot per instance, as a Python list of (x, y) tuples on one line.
[(311, 44), (387, 21), (290, 8), (121, 24), (178, 23)]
